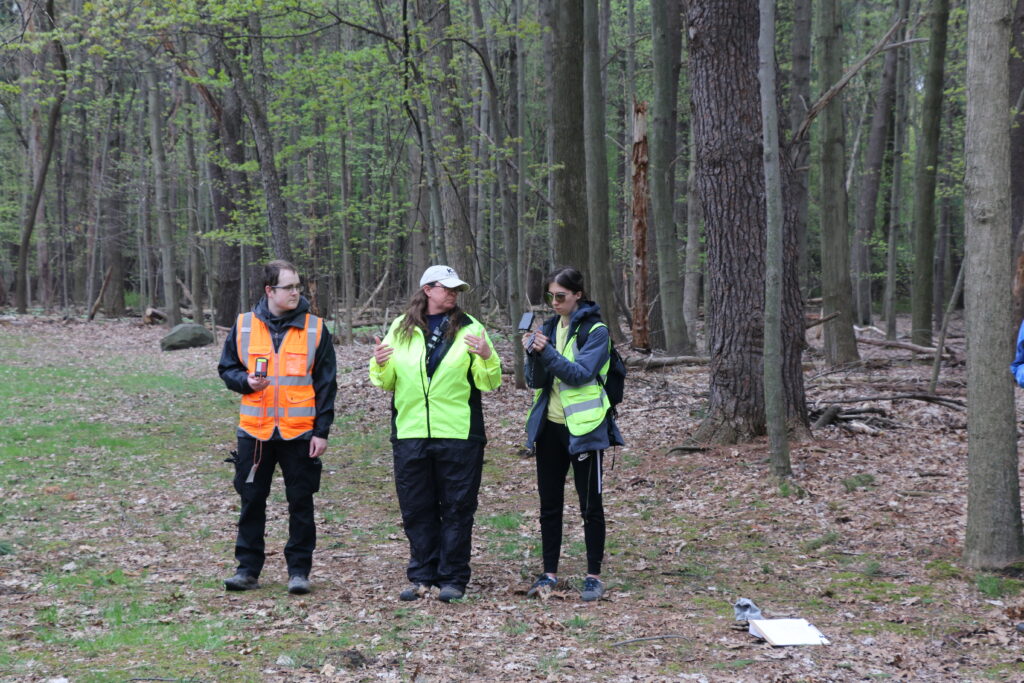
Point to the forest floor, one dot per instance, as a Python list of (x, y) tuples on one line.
[(117, 525)]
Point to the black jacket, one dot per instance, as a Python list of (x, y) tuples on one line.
[(325, 368)]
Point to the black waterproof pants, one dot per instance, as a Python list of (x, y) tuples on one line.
[(437, 481), (553, 461), (301, 481)]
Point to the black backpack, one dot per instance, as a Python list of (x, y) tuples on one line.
[(615, 384)]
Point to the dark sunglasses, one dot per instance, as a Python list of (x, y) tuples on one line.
[(557, 296), (433, 285)]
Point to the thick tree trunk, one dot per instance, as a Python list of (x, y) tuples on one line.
[(924, 178), (730, 180), (666, 29), (569, 193), (799, 104), (836, 289), (229, 191), (598, 231), (993, 538), (1017, 157)]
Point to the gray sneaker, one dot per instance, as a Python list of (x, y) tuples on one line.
[(414, 592), (241, 582), (449, 593), (593, 589), (298, 584)]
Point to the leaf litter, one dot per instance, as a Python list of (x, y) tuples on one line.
[(866, 543)]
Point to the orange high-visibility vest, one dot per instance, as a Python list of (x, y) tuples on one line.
[(289, 403)]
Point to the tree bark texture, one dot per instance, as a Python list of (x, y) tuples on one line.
[(836, 288), (730, 181), (666, 29), (1017, 157), (569, 193), (993, 538), (600, 283), (774, 404), (924, 178), (799, 104)]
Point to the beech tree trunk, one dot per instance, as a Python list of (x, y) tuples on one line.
[(730, 180), (994, 537), (165, 229)]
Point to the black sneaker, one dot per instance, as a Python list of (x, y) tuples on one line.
[(593, 589), (449, 593), (543, 585), (298, 584), (414, 592), (241, 582)]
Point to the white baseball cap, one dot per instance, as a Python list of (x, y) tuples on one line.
[(443, 275)]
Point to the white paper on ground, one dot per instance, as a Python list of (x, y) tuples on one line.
[(787, 632)]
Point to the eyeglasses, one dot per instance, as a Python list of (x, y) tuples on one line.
[(291, 289), (446, 289), (556, 296)]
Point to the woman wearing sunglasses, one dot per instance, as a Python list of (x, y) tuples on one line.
[(436, 359), (570, 423)]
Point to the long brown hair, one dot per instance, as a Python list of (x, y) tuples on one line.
[(416, 316)]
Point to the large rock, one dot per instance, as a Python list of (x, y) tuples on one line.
[(186, 336)]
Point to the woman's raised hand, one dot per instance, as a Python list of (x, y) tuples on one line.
[(478, 345), (381, 352)]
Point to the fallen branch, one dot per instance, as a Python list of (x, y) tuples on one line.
[(821, 321), (928, 398), (828, 417), (664, 361), (899, 345), (638, 640)]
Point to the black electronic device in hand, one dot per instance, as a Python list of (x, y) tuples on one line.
[(261, 367), (526, 322)]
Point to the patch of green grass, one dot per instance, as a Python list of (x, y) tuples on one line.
[(789, 489), (6, 547), (943, 569), (733, 664), (505, 522), (858, 481), (993, 586), (550, 663), (820, 542), (578, 621), (515, 628)]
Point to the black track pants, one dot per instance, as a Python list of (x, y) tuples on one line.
[(301, 481), (553, 461), (437, 481)]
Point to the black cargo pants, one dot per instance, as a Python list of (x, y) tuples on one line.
[(438, 481), (301, 481)]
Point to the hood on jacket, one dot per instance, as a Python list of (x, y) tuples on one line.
[(294, 318)]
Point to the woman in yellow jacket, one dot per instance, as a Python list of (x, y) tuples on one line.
[(436, 359)]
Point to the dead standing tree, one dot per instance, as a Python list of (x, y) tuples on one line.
[(641, 339)]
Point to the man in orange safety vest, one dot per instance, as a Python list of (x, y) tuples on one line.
[(280, 358)]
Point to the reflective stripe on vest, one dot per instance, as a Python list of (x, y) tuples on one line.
[(289, 403), (585, 405)]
